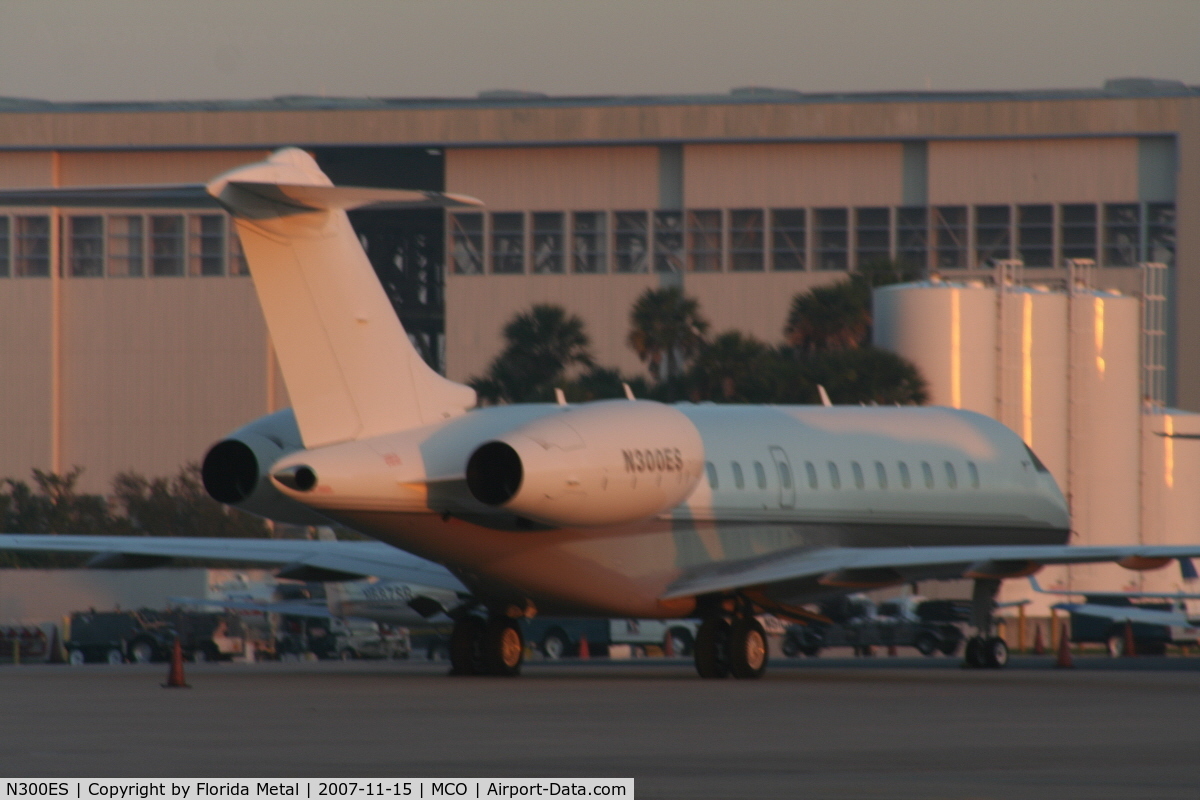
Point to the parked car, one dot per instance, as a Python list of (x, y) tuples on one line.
[(931, 626), (557, 637)]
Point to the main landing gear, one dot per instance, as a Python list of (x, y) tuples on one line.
[(736, 647), (492, 646), (985, 650)]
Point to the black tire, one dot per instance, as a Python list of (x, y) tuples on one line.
[(76, 657), (995, 653), (681, 641), (790, 647), (555, 644), (926, 643), (503, 647), (973, 655), (747, 649), (1116, 645), (711, 651), (114, 657), (141, 652), (347, 654), (465, 646)]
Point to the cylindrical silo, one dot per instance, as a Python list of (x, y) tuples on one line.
[(949, 331), (1105, 475), (1170, 475)]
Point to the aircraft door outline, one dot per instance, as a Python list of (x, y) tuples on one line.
[(787, 477)]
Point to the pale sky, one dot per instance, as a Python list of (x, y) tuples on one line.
[(234, 49)]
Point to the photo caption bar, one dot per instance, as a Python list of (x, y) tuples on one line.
[(261, 788)]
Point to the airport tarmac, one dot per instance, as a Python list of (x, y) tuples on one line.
[(824, 728)]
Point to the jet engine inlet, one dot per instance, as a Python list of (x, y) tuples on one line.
[(230, 472), (494, 473), (300, 478)]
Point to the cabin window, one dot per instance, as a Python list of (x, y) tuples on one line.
[(760, 474), (927, 471), (835, 479), (951, 476), (881, 474), (812, 474), (973, 473), (859, 482), (905, 479), (738, 481), (785, 475), (712, 474)]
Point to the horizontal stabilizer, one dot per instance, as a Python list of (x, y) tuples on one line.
[(167, 196)]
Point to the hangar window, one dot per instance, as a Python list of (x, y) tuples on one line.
[(631, 231), (973, 474), (5, 240), (126, 246), (905, 478), (711, 471), (85, 238), (508, 243), (1121, 240), (835, 478), (1160, 232), (589, 246), (993, 234), (927, 472), (1077, 228), (859, 481), (872, 235), (738, 480), (760, 475), (1035, 235), (831, 244), (788, 242), (166, 245), (746, 240), (31, 247), (237, 257), (881, 474), (811, 470), (668, 241), (951, 476), (206, 242), (950, 237), (704, 241), (912, 236), (547, 242), (466, 243)]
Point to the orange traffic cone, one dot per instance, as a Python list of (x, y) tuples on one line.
[(1039, 646), (1064, 660), (1130, 644), (669, 645), (175, 675)]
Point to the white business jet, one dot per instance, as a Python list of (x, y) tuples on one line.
[(625, 508)]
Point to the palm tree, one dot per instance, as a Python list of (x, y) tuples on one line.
[(540, 346), (730, 369), (826, 318), (667, 330)]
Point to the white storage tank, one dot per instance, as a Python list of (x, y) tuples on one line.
[(1170, 501), (949, 331)]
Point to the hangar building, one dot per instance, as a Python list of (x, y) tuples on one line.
[(130, 338)]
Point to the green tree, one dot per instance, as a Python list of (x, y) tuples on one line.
[(667, 331), (541, 345), (178, 506), (826, 318), (864, 375), (53, 505), (733, 368)]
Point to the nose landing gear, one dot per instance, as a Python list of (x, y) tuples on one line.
[(985, 650)]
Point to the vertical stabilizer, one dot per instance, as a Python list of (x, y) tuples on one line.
[(350, 369)]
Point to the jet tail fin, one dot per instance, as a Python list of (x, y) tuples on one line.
[(350, 369)]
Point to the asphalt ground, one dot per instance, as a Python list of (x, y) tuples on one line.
[(812, 728)]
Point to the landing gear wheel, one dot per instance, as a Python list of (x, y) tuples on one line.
[(465, 648), (502, 647), (747, 649), (995, 652), (926, 644), (973, 656), (712, 649), (555, 645)]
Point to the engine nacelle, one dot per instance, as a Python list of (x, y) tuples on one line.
[(235, 470), (596, 464)]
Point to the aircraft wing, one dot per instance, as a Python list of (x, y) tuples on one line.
[(294, 608), (1149, 616), (865, 566), (346, 559)]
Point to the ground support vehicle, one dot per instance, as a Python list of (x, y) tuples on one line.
[(559, 637), (147, 635), (931, 626), (1149, 639), (331, 637)]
